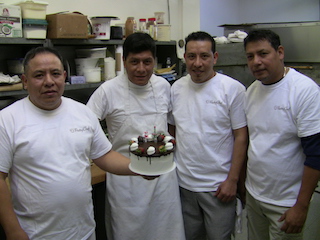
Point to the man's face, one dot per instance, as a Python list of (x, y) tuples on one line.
[(200, 60), (265, 63), (139, 67), (44, 79)]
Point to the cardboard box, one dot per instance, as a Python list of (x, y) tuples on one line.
[(10, 21), (67, 25)]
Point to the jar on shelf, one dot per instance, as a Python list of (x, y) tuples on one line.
[(143, 25), (152, 28), (130, 26)]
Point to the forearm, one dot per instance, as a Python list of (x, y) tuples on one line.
[(309, 182), (8, 218), (239, 154), (115, 163)]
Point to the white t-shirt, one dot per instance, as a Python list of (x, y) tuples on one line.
[(46, 154), (278, 116), (205, 115)]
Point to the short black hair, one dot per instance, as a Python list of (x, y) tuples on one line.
[(263, 34), (201, 36), (39, 50), (139, 42)]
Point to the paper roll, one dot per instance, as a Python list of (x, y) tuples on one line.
[(109, 68)]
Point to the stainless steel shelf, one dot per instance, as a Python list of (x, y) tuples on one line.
[(68, 87)]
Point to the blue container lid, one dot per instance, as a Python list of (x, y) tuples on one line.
[(34, 22)]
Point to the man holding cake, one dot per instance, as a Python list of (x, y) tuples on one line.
[(211, 134), (132, 105), (46, 143)]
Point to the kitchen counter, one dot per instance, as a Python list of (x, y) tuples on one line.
[(97, 175)]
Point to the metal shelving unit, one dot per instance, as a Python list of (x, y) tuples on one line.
[(17, 47)]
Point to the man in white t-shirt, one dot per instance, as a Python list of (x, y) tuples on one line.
[(211, 134), (283, 114), (131, 104), (46, 143)]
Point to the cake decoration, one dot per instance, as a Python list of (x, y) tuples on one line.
[(152, 154)]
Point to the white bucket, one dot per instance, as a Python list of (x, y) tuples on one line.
[(101, 27), (82, 63), (92, 74)]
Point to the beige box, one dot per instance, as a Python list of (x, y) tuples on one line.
[(10, 21), (67, 25), (164, 32)]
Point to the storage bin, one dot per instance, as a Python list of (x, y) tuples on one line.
[(34, 28), (92, 74), (82, 63), (33, 9)]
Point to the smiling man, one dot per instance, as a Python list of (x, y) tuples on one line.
[(132, 104), (283, 114), (211, 133), (46, 143)]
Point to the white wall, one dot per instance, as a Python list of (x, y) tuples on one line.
[(184, 14), (218, 12)]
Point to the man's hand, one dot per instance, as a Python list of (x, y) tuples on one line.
[(227, 191), (294, 219)]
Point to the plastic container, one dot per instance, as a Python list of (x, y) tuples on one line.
[(130, 26), (82, 63), (34, 28), (143, 25), (33, 9), (91, 53), (92, 74), (152, 27), (101, 27)]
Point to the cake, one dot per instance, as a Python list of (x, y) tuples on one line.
[(152, 154)]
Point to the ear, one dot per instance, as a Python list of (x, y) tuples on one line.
[(24, 81), (215, 57), (281, 52)]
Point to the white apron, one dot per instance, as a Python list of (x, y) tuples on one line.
[(142, 209)]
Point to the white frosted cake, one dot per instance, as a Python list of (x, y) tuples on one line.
[(152, 154)]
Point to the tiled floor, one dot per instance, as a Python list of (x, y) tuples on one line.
[(312, 227)]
